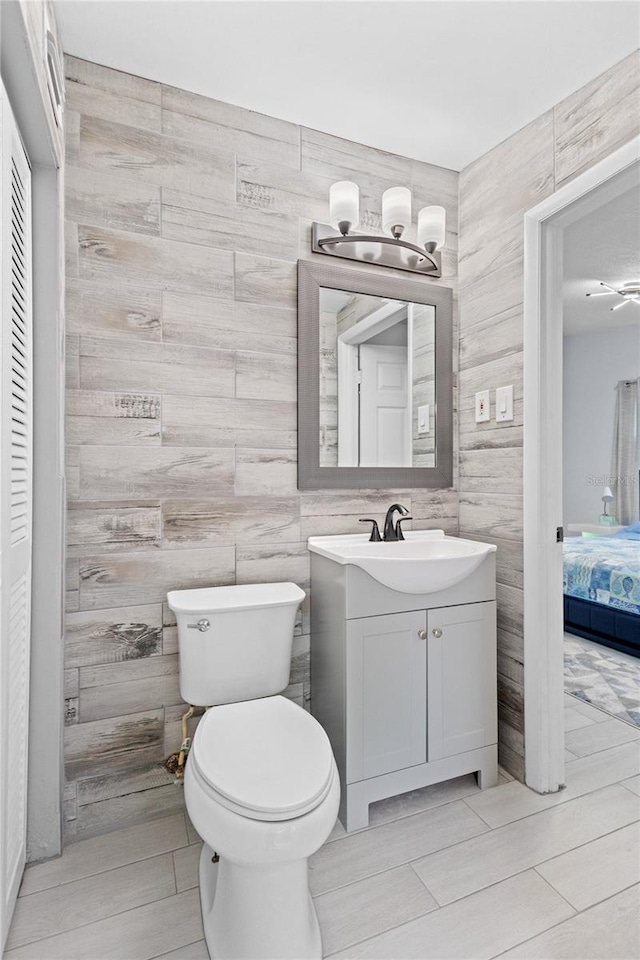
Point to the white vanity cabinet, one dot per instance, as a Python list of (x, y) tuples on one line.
[(404, 684)]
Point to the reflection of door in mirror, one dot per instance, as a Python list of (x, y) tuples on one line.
[(377, 381)]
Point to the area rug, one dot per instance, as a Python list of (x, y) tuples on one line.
[(603, 677)]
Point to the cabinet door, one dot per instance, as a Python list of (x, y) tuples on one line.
[(386, 694), (462, 711)]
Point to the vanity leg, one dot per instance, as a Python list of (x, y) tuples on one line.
[(356, 814), (487, 775)]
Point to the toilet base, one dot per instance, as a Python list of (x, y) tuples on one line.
[(259, 912)]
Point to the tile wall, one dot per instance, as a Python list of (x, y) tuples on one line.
[(185, 219)]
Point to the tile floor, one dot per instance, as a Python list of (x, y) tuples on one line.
[(606, 678), (444, 872)]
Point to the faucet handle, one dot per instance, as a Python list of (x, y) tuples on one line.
[(399, 522), (375, 530)]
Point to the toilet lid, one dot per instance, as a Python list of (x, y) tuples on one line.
[(268, 758)]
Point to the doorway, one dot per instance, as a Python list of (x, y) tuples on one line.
[(543, 454)]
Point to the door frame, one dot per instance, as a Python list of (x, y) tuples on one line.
[(46, 713), (542, 466)]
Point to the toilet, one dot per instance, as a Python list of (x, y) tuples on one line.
[(261, 784)]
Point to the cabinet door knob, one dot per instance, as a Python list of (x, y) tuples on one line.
[(437, 632), (422, 634)]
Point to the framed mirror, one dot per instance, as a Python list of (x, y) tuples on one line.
[(374, 380)]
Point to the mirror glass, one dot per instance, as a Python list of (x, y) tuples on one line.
[(376, 381)]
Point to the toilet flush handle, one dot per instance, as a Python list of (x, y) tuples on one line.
[(202, 625)]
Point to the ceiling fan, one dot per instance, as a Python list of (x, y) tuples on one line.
[(630, 293)]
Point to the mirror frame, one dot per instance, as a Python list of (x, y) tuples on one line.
[(311, 476)]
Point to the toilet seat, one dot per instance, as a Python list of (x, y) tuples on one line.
[(265, 759)]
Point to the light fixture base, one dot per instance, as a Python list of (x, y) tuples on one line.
[(392, 252)]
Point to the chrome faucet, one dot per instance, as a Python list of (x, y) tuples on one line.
[(393, 531)]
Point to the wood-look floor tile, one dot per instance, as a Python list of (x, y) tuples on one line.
[(362, 854), (371, 906), (88, 857), (600, 736), (186, 862), (139, 934), (72, 905), (584, 775), (597, 870), (608, 931), (458, 871), (479, 927)]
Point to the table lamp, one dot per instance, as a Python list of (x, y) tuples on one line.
[(605, 518)]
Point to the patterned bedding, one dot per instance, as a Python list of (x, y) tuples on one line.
[(604, 570)]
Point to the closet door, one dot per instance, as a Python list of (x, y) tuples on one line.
[(15, 505)]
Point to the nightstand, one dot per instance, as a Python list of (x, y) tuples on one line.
[(592, 530)]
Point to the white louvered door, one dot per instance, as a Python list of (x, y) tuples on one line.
[(15, 505)]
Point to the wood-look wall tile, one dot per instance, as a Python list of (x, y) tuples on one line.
[(111, 527), (141, 806), (351, 503), (110, 786), (227, 325), (265, 472), (108, 200), (525, 162), (71, 135), (105, 309), (113, 745), (72, 473), (115, 473), (265, 424), (491, 294), (510, 605), (71, 268), (492, 338), (598, 118), (97, 77), (197, 422), (123, 579), (227, 225), (267, 187), (109, 636), (156, 367), (494, 514), (483, 470), (267, 563), (139, 154), (504, 370), (108, 418), (260, 280), (490, 435), (262, 376), (90, 101), (237, 520), (240, 131), (116, 689), (71, 584), (115, 257), (322, 152)]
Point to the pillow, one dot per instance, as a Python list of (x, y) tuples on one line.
[(631, 532)]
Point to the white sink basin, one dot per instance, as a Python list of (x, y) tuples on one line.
[(427, 561)]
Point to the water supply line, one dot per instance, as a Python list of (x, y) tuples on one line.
[(176, 762)]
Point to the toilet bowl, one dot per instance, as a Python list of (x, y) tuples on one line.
[(262, 790), (261, 783)]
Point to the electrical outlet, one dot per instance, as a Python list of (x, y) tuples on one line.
[(483, 406)]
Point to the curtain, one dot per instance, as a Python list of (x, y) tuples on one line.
[(625, 452)]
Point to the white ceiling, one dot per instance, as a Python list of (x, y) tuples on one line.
[(439, 81), (603, 245)]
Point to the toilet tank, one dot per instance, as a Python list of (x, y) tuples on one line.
[(235, 642)]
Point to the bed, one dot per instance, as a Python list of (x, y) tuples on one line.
[(602, 589)]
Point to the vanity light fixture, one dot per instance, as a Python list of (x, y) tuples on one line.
[(390, 249), (630, 293)]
